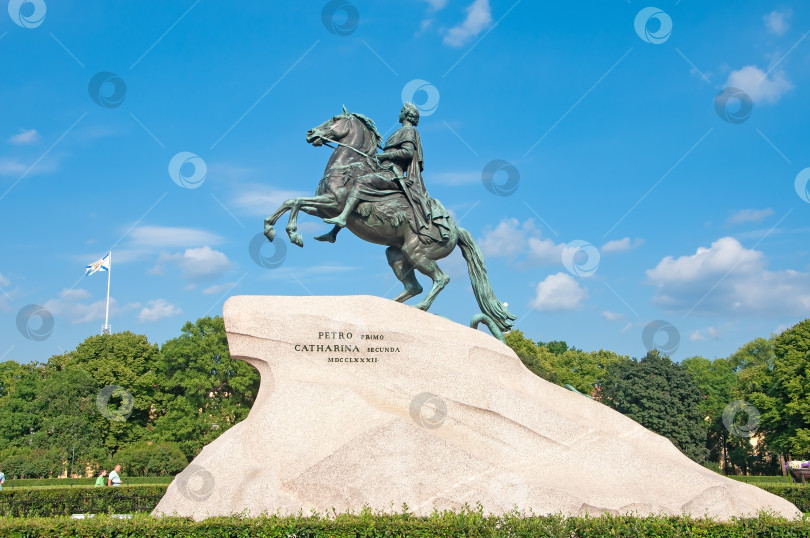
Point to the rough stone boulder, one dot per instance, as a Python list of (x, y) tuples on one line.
[(368, 402)]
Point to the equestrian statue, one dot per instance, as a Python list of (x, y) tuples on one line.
[(381, 198)]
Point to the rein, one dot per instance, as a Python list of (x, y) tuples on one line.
[(348, 146)]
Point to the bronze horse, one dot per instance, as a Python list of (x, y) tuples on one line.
[(387, 221)]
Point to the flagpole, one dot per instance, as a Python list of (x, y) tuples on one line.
[(107, 313)]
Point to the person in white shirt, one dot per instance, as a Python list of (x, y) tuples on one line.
[(114, 479)]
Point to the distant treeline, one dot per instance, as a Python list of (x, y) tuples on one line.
[(120, 399), (745, 413)]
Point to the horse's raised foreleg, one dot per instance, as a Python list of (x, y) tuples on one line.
[(312, 205), (269, 231)]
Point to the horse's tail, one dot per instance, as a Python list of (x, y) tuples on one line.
[(489, 304)]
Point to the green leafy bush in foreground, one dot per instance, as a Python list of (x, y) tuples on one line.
[(367, 524)]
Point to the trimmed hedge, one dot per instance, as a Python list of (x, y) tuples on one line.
[(757, 480), (366, 524), (69, 482), (48, 502), (51, 501), (795, 493)]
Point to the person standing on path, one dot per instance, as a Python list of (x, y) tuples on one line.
[(100, 480), (115, 479)]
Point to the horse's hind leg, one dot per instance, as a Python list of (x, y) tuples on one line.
[(428, 267), (404, 272)]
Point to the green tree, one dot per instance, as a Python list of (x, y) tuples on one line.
[(661, 396), (583, 370), (67, 404), (19, 414), (124, 360), (146, 458), (558, 347), (784, 396), (755, 384), (205, 391), (536, 358), (718, 384)]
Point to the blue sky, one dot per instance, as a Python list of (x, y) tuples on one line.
[(643, 193)]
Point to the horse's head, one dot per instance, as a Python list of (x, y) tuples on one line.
[(335, 128), (349, 128)]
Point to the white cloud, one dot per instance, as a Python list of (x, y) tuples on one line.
[(612, 316), (29, 136), (621, 245), (507, 239), (171, 236), (157, 310), (479, 17), (729, 280), (761, 87), (511, 239), (262, 199), (15, 167), (196, 264), (559, 292), (218, 288), (777, 21), (436, 4), (545, 251), (749, 215), (69, 305), (709, 333), (325, 272), (73, 295), (5, 295)]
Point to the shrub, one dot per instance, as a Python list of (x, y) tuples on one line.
[(74, 482), (48, 502), (142, 459), (367, 524), (795, 493)]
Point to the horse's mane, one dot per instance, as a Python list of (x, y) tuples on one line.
[(369, 123)]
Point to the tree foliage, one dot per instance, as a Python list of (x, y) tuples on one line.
[(661, 396), (121, 397)]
